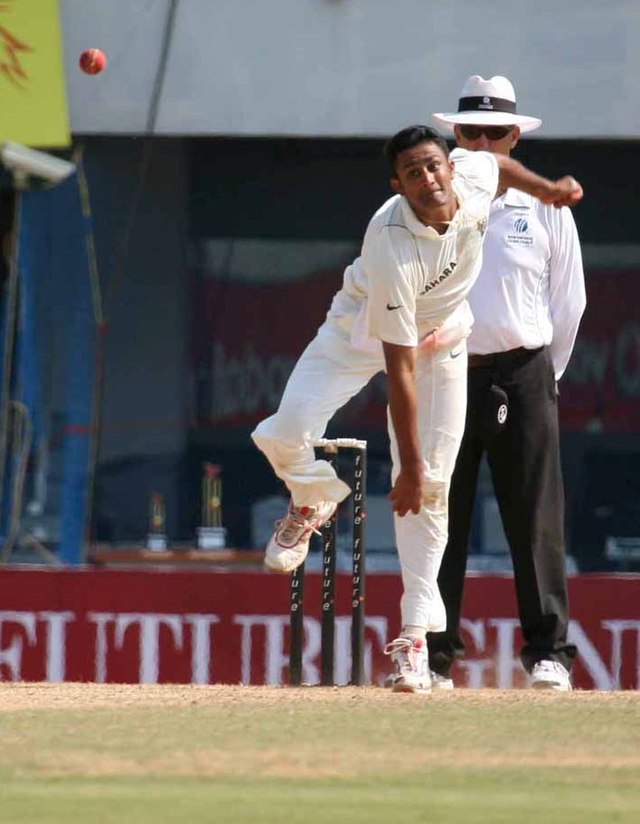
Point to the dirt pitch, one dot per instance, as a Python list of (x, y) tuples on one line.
[(235, 730), (16, 697), (263, 755)]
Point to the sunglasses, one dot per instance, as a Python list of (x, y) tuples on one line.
[(490, 132)]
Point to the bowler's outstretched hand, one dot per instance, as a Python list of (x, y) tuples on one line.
[(568, 192)]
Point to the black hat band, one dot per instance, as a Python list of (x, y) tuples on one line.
[(486, 104)]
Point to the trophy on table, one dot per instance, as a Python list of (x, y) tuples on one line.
[(157, 535), (211, 535)]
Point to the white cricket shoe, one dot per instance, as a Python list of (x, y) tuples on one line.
[(289, 544), (441, 682), (550, 675), (410, 665)]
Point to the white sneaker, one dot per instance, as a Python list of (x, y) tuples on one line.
[(289, 544), (410, 665), (550, 675), (441, 682)]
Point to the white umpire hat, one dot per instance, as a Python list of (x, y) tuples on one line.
[(489, 102)]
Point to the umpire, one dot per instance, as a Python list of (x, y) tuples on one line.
[(527, 304)]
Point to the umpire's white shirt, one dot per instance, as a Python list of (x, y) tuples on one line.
[(530, 291)]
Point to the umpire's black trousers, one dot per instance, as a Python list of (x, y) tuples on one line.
[(524, 458)]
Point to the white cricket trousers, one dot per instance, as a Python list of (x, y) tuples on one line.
[(330, 372)]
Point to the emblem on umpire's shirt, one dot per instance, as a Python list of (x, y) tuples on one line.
[(521, 234)]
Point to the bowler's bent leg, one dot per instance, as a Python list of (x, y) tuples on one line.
[(327, 375)]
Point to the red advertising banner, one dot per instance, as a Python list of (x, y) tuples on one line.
[(248, 336), (146, 626)]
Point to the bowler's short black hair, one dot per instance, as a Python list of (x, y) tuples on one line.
[(407, 139)]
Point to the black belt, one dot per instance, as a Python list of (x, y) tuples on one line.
[(498, 358)]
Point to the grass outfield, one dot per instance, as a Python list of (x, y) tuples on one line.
[(99, 754)]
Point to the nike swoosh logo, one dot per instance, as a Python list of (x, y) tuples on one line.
[(456, 354), (391, 308)]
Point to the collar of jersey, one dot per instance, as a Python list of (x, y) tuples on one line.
[(418, 228)]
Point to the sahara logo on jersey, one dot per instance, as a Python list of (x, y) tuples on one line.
[(437, 281)]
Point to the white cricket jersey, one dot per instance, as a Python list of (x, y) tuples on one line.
[(411, 277), (530, 291)]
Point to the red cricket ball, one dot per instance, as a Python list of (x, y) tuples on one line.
[(92, 61)]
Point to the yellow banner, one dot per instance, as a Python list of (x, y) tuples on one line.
[(33, 104)]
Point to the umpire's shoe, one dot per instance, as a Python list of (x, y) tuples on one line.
[(550, 675)]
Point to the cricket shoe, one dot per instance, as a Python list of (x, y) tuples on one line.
[(441, 682), (289, 544), (550, 675), (438, 682), (410, 665)]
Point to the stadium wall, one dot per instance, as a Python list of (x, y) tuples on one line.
[(347, 67)]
